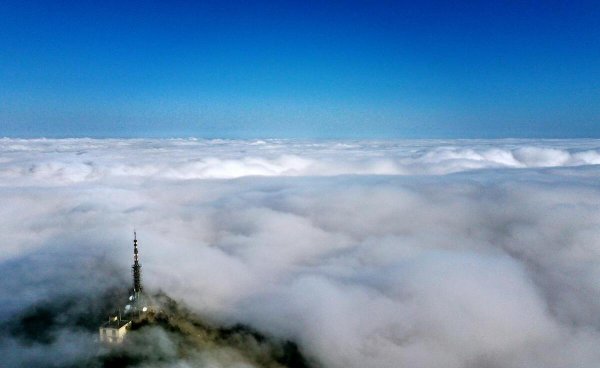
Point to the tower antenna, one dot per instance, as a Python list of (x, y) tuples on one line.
[(136, 268)]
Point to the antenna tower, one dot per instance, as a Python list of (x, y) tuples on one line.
[(136, 268)]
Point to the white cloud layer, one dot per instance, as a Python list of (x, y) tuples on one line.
[(368, 254), (70, 161)]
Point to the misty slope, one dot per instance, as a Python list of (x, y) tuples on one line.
[(172, 336)]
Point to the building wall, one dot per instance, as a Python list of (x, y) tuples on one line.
[(113, 335)]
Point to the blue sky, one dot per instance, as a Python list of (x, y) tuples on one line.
[(352, 69)]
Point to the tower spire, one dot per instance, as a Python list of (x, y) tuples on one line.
[(136, 268)]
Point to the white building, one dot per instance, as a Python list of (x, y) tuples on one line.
[(113, 331)]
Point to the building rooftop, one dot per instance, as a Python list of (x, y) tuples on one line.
[(115, 323)]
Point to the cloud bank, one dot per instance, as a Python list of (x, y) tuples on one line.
[(68, 161), (365, 253)]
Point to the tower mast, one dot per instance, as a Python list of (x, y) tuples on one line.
[(136, 268)]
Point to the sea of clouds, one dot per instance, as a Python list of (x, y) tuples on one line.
[(417, 254)]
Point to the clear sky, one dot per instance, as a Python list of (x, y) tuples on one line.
[(307, 69)]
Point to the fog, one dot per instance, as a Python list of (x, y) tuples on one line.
[(467, 253)]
